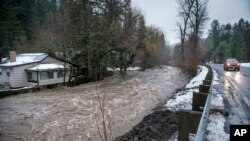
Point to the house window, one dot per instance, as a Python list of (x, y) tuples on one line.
[(32, 76), (8, 72), (60, 74), (46, 75)]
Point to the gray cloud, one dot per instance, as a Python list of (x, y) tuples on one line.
[(163, 14)]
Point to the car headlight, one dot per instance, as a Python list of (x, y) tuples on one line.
[(238, 64), (228, 64)]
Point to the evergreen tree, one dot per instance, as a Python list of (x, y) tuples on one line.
[(230, 41)]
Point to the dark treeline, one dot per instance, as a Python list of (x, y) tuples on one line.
[(226, 40), (19, 21), (94, 34)]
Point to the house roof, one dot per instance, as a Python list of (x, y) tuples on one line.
[(24, 58), (41, 67)]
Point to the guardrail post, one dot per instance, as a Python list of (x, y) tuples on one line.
[(199, 100), (188, 123), (209, 75), (210, 78), (207, 82), (204, 88), (195, 121)]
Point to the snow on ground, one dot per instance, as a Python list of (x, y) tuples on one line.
[(174, 137), (215, 128), (197, 80), (118, 69), (217, 100), (216, 78), (133, 68), (245, 65), (183, 99)]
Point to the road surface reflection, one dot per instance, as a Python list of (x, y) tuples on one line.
[(236, 76)]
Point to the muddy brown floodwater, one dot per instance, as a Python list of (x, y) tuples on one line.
[(73, 114)]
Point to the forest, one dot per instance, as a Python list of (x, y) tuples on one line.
[(228, 40), (94, 34)]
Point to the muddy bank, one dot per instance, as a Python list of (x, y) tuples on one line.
[(158, 126)]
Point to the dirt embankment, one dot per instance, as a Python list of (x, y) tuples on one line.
[(158, 126), (67, 114)]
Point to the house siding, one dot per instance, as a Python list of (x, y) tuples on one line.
[(3, 76), (18, 76), (50, 59)]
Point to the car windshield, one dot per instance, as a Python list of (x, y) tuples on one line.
[(232, 61)]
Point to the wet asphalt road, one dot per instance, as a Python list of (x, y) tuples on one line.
[(235, 89)]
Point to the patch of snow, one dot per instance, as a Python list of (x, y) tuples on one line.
[(183, 99), (217, 101), (113, 69), (245, 65), (4, 59), (133, 68), (174, 137), (47, 67), (215, 128), (118, 69), (191, 137), (197, 80), (24, 59), (216, 78)]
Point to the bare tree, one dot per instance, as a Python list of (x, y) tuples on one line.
[(193, 15), (197, 20), (184, 12)]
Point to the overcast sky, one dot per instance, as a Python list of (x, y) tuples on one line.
[(163, 14)]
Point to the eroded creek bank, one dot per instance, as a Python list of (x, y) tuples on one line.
[(158, 126)]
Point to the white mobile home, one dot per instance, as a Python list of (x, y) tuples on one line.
[(29, 69)]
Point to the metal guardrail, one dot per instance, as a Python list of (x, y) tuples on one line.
[(202, 128)]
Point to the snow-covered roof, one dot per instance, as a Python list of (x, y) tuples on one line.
[(24, 58), (41, 67)]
